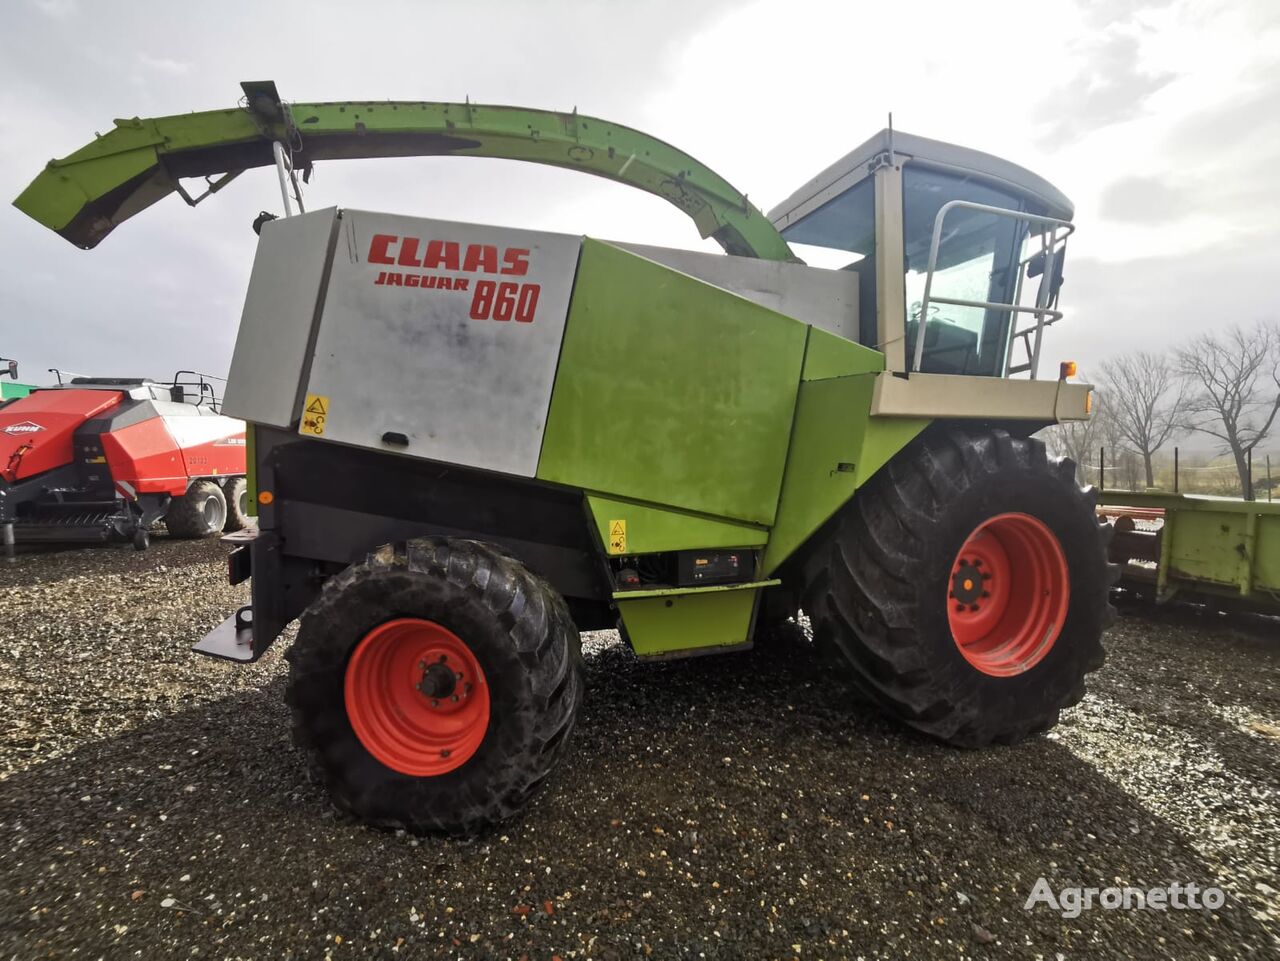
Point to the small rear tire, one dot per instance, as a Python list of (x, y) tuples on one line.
[(237, 495), (200, 512), (141, 539), (434, 688)]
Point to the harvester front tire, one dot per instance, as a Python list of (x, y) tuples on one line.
[(371, 731), (236, 492), (965, 588), (200, 512)]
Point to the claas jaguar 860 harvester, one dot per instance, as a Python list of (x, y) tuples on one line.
[(468, 442)]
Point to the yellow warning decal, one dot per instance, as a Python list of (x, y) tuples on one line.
[(314, 414), (617, 537)]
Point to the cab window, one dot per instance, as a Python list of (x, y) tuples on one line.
[(841, 235), (978, 257)]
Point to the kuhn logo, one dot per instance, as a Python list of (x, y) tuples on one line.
[(26, 427)]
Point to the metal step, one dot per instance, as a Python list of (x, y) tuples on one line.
[(232, 640)]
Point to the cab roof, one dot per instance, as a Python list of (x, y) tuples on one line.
[(935, 153)]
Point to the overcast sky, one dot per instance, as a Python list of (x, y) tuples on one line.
[(1161, 120)]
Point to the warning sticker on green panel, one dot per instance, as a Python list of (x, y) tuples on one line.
[(314, 414), (617, 537)]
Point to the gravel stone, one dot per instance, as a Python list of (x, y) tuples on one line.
[(741, 806)]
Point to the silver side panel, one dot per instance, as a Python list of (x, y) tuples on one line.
[(279, 312), (956, 396), (443, 337), (827, 299)]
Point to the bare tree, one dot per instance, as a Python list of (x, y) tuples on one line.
[(1145, 395), (1118, 467), (1234, 381), (1096, 445)]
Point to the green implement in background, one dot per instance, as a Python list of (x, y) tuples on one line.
[(1219, 549)]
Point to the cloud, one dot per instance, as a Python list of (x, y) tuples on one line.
[(1211, 169), (58, 9), (1143, 200), (1099, 14), (1154, 303), (164, 64), (1111, 87), (1249, 118)]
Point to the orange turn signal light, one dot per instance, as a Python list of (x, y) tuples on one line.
[(1066, 369), (265, 497), (1088, 403)]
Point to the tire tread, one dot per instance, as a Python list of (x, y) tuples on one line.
[(860, 578), (535, 735)]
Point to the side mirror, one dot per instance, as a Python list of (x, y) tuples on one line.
[(178, 394), (1036, 266), (13, 369)]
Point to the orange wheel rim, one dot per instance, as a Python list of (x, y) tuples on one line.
[(1007, 595), (416, 697)]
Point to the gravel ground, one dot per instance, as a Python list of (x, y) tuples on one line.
[(733, 807)]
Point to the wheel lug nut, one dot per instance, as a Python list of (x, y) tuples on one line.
[(434, 702), (445, 752), (458, 675), (453, 697)]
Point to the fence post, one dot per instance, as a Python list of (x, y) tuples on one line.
[(1175, 470), (1248, 481), (1270, 488), (1102, 468)]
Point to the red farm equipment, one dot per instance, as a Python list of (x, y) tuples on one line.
[(101, 459)]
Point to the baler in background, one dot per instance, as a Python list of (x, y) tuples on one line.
[(102, 458)]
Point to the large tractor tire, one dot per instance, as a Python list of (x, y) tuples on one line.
[(200, 512), (434, 688), (965, 588), (236, 491)]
